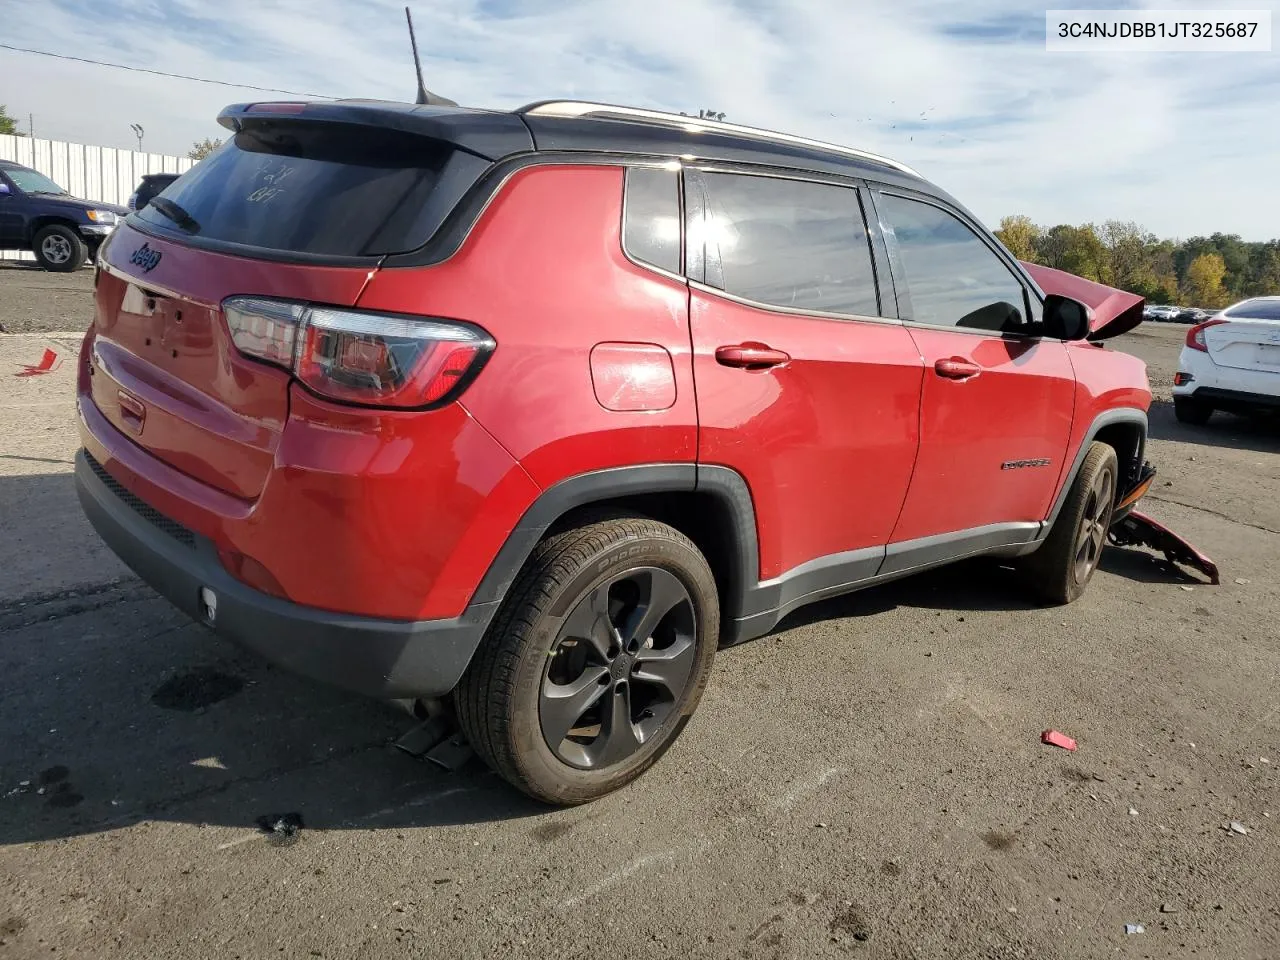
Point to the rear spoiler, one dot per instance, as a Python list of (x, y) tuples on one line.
[(489, 134), (1113, 311)]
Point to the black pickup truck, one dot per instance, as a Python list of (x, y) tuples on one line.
[(38, 215)]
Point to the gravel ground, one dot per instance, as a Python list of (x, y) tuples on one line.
[(868, 781)]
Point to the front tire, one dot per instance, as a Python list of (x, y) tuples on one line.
[(1059, 571), (59, 248), (1192, 411), (595, 662)]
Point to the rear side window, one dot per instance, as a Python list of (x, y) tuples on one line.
[(788, 243), (651, 221), (953, 278), (314, 188), (1255, 310)]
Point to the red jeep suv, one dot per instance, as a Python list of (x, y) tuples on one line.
[(533, 410)]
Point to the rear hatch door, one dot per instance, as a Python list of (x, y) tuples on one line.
[(295, 208)]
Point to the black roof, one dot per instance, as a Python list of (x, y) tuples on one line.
[(13, 165), (588, 127)]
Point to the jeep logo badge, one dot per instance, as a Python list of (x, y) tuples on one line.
[(146, 258)]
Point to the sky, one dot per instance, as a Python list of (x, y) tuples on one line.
[(1184, 144)]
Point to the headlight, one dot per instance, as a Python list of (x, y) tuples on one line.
[(101, 216)]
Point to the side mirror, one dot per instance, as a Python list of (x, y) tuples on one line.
[(4, 190), (1065, 319)]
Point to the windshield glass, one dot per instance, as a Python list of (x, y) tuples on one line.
[(29, 181)]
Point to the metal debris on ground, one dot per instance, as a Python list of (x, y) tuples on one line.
[(1235, 826), (1133, 812), (1186, 588), (1055, 739), (451, 754), (49, 362), (282, 828), (1130, 928), (421, 739), (1242, 581)]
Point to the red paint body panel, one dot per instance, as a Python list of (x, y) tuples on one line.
[(1105, 380), (1018, 407), (389, 515), (825, 441), (544, 273), (161, 337)]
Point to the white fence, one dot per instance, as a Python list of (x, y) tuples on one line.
[(101, 174)]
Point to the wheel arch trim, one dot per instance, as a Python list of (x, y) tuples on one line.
[(1126, 416), (601, 486)]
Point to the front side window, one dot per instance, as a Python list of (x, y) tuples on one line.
[(952, 277), (788, 243)]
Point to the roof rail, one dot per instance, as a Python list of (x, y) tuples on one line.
[(584, 108)]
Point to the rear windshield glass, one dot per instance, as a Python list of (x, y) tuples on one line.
[(1255, 310), (317, 188)]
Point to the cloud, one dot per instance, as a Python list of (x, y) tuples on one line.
[(962, 91)]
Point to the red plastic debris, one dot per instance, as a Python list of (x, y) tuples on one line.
[(1056, 739), (49, 362)]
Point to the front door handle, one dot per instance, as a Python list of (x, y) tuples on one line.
[(751, 356), (956, 368)]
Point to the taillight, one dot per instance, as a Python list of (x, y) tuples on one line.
[(1195, 336), (354, 356)]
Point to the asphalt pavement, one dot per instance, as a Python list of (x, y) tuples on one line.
[(868, 781)]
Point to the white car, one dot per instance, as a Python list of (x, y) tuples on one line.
[(1158, 311), (1231, 362)]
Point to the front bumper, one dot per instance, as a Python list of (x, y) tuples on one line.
[(390, 659)]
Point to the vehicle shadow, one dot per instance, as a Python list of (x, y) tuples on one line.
[(118, 709), (1260, 432)]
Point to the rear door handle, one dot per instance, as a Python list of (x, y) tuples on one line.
[(751, 356), (956, 368)]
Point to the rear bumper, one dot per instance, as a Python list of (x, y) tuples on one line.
[(1228, 388), (378, 658), (1232, 400)]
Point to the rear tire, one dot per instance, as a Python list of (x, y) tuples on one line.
[(583, 681), (1190, 410), (59, 248), (1059, 571)]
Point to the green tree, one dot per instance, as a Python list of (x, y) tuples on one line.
[(1203, 285), (202, 148), (8, 124), (1129, 261), (1019, 234), (1077, 250), (1264, 271)]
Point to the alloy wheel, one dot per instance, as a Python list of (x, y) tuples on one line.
[(619, 665), (1092, 536), (56, 249)]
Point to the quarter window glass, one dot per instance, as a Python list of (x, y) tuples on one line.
[(651, 226), (954, 279), (789, 243)]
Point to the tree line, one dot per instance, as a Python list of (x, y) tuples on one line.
[(1208, 272)]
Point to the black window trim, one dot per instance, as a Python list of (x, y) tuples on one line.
[(879, 270), (678, 168), (902, 286)]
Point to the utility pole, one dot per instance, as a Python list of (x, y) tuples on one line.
[(31, 126), (137, 132)]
